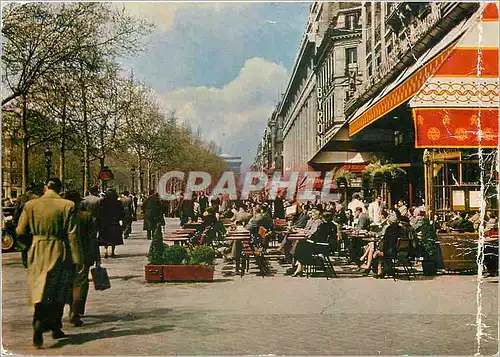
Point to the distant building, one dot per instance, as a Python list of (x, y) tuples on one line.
[(233, 163)]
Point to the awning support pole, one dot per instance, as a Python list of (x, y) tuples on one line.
[(428, 183)]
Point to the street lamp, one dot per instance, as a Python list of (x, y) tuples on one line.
[(132, 171), (141, 174), (48, 161), (82, 170)]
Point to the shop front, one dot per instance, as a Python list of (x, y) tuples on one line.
[(443, 112)]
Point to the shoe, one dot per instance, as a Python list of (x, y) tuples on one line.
[(57, 334), (113, 255), (75, 320), (106, 256), (38, 335), (298, 274)]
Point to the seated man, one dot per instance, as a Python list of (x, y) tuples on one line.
[(462, 224), (261, 219), (242, 216), (318, 241)]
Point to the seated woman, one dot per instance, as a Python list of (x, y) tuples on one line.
[(387, 246), (319, 230), (370, 247)]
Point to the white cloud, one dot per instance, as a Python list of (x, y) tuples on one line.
[(233, 116), (162, 14)]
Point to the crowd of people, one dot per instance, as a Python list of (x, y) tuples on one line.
[(62, 233)]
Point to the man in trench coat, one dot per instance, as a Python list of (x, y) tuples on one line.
[(55, 250)]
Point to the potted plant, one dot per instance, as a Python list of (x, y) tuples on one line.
[(429, 264), (194, 265)]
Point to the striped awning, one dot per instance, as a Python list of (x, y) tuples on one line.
[(457, 106), (409, 84)]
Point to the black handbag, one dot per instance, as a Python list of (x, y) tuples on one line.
[(100, 278)]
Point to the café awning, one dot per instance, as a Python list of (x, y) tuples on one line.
[(457, 107), (409, 82)]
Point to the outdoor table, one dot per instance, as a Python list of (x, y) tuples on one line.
[(180, 231), (176, 239), (195, 225), (294, 238), (175, 234), (239, 237)]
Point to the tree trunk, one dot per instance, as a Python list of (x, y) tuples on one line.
[(86, 138), (102, 158), (24, 148), (139, 176), (149, 175), (62, 153)]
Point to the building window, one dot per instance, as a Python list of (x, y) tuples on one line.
[(351, 21), (351, 57)]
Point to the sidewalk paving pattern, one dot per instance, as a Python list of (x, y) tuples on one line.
[(277, 315)]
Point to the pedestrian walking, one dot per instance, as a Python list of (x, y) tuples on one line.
[(203, 201), (54, 254), (153, 210), (91, 202), (135, 199), (109, 214), (24, 242), (90, 250), (186, 210), (128, 210)]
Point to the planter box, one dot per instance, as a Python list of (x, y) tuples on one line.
[(458, 250), (188, 272), (154, 273)]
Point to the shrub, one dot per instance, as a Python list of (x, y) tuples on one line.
[(429, 238), (202, 254), (175, 255), (156, 249)]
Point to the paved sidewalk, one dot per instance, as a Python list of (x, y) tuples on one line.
[(277, 315)]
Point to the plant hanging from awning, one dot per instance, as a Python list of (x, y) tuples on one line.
[(378, 173), (343, 178)]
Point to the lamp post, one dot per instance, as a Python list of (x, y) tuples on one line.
[(48, 161), (141, 183), (132, 173), (82, 170)]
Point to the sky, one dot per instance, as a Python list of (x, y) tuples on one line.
[(221, 66)]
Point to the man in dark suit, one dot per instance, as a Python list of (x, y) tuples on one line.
[(279, 209)]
